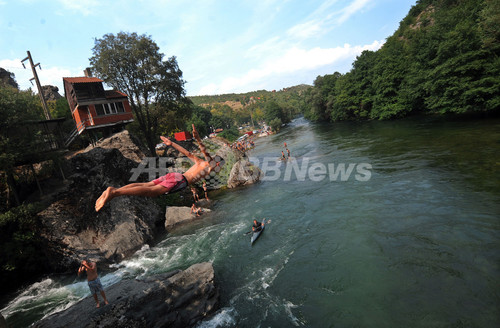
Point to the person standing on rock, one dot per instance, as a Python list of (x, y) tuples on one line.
[(195, 194), (171, 182), (93, 280), (205, 189)]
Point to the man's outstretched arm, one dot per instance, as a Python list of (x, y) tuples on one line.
[(201, 145), (181, 149)]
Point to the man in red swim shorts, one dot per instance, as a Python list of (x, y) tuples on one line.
[(170, 182)]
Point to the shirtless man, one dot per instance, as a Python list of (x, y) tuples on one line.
[(93, 280), (196, 210), (205, 189), (195, 194), (169, 183)]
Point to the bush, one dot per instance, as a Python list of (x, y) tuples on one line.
[(275, 124), (230, 134), (21, 247)]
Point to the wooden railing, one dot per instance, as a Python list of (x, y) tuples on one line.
[(75, 133)]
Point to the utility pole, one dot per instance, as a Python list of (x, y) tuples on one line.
[(38, 85)]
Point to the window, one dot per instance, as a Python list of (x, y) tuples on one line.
[(119, 107), (109, 109), (99, 108)]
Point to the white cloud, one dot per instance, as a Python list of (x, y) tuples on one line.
[(292, 61), (46, 75), (350, 10), (85, 7), (323, 19), (305, 30)]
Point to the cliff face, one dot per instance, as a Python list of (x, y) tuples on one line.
[(50, 92), (74, 230), (175, 299)]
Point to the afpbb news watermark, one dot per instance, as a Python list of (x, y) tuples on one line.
[(270, 169), (309, 169)]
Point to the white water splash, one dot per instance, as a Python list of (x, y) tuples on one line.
[(223, 318)]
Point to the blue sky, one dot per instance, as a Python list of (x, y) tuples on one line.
[(221, 46)]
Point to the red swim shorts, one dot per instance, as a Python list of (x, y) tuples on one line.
[(173, 181)]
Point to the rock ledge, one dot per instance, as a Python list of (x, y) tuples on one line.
[(175, 299)]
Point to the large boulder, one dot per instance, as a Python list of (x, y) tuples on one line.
[(175, 215), (243, 173), (74, 230), (126, 143), (51, 93), (176, 299)]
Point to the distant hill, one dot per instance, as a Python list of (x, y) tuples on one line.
[(239, 100)]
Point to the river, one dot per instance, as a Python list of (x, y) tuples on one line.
[(374, 224)]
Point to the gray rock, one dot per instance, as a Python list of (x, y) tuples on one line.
[(127, 144), (3, 323), (176, 215), (243, 173), (7, 79), (176, 299), (51, 93), (74, 230)]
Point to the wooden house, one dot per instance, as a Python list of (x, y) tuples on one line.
[(92, 107)]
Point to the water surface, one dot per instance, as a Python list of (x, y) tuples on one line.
[(413, 242)]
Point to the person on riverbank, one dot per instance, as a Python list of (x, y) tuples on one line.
[(195, 194), (196, 210), (171, 182), (93, 281), (205, 189)]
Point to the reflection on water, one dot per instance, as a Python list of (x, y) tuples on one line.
[(415, 245)]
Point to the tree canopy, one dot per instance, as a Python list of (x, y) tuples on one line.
[(444, 58), (133, 64)]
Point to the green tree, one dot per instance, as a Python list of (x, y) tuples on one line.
[(230, 134), (21, 247), (17, 141), (444, 58), (272, 111), (275, 124), (132, 63), (200, 118)]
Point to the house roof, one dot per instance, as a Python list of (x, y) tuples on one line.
[(82, 79), (114, 94)]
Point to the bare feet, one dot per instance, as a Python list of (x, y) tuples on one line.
[(105, 197), (97, 305), (106, 302)]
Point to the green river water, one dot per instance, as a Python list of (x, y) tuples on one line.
[(375, 224)]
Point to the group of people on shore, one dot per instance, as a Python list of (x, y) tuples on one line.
[(195, 209), (243, 145)]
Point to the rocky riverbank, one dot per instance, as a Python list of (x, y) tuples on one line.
[(73, 231), (175, 299)]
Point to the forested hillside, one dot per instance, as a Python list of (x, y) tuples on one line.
[(444, 58), (274, 107)]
